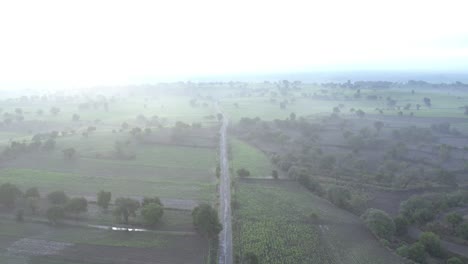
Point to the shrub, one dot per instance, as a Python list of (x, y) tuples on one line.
[(380, 223), (431, 243)]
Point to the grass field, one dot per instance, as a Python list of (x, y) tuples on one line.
[(38, 239), (246, 156), (273, 222), (444, 104)]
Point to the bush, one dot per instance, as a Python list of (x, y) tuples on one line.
[(431, 243), (380, 223)]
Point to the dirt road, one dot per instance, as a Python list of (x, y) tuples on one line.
[(225, 237)]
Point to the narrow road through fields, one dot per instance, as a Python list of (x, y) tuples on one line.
[(225, 237)]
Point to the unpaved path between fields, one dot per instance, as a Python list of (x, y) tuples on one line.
[(225, 237)]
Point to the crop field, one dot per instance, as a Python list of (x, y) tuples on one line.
[(273, 221), (250, 158)]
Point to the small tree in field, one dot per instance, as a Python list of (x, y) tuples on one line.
[(55, 214), (103, 199), (206, 221), (380, 223), (243, 173), (8, 194), (69, 153), (274, 173), (77, 205), (125, 207), (32, 199), (57, 198), (431, 243), (454, 219), (152, 213), (149, 200)]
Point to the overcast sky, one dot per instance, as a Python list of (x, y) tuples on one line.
[(118, 42)]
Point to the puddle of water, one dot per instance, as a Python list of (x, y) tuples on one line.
[(115, 228)]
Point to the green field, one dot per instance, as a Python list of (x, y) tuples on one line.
[(444, 104), (273, 221), (246, 156), (19, 236)]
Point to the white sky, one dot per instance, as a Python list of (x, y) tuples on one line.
[(96, 42)]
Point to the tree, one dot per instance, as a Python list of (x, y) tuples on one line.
[(462, 230), (414, 252), (75, 118), (205, 220), (126, 207), (339, 196), (49, 144), (292, 116), (274, 173), (103, 199), (243, 173), (77, 205), (360, 113), (250, 258), (454, 219), (378, 125), (8, 194), (19, 216), (454, 260), (401, 225), (32, 192), (427, 102), (55, 214), (148, 200), (69, 153), (152, 212), (32, 199), (431, 243), (57, 198), (54, 110), (380, 223)]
